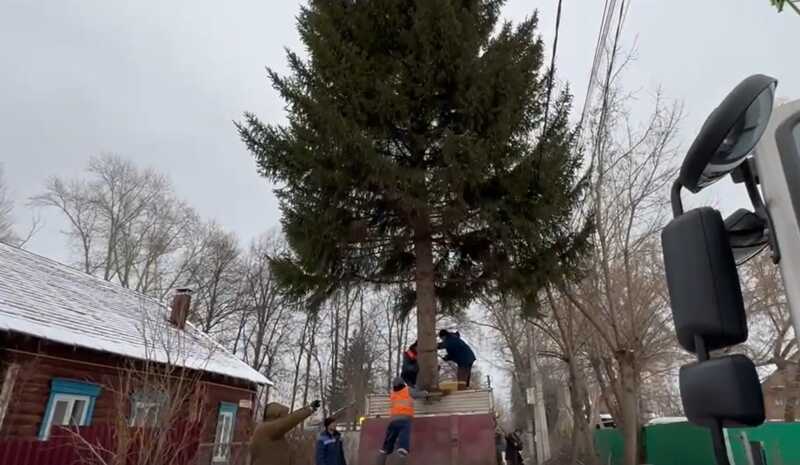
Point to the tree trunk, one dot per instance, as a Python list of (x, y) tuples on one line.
[(298, 362), (309, 353), (426, 311), (629, 407), (583, 445)]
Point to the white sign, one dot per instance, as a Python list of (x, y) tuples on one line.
[(246, 403), (530, 394)]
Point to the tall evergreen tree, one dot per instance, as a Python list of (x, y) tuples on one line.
[(415, 156)]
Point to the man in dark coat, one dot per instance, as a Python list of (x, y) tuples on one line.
[(410, 367), (513, 449), (330, 449), (458, 352)]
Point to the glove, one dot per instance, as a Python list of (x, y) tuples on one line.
[(315, 405)]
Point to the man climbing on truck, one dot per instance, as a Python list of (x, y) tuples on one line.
[(401, 412), (410, 367), (458, 352)]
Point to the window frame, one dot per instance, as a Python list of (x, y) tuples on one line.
[(222, 449), (149, 399), (70, 390), (146, 406)]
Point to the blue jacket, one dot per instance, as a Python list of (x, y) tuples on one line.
[(330, 450), (457, 350)]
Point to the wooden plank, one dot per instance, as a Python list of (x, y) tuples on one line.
[(456, 403)]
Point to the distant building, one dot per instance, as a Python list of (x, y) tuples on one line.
[(775, 395), (68, 342)]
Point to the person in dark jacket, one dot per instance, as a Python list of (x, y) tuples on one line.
[(410, 367), (330, 449), (514, 448), (458, 352)]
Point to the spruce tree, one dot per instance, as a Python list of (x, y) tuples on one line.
[(415, 156)]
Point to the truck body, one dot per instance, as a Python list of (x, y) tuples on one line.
[(458, 429)]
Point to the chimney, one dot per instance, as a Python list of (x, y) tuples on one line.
[(181, 303)]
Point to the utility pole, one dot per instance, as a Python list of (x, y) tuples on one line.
[(541, 434)]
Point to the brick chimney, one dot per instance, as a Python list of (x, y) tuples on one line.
[(181, 303)]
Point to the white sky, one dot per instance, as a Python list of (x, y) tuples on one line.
[(162, 82)]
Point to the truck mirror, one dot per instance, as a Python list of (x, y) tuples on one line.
[(703, 283), (730, 133), (747, 234), (722, 390)]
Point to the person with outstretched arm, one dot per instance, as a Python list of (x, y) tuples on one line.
[(458, 352), (330, 448), (268, 446), (401, 413)]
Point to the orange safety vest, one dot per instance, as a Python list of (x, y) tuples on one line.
[(402, 403)]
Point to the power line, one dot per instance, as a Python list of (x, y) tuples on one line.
[(552, 70), (602, 37)]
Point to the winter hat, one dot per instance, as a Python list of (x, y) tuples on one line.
[(398, 382)]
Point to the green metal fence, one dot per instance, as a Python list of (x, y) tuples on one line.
[(685, 444)]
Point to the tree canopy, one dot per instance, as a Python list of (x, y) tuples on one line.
[(416, 155)]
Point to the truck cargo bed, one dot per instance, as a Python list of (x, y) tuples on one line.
[(456, 429), (479, 401), (436, 440)]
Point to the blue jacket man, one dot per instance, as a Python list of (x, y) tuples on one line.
[(330, 449), (458, 352)]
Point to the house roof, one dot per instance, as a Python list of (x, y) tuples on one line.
[(49, 300)]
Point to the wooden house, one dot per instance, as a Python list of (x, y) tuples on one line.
[(77, 351)]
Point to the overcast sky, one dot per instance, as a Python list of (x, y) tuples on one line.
[(162, 81)]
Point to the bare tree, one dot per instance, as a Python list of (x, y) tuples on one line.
[(7, 233), (267, 321), (772, 340), (127, 224), (623, 294), (218, 273)]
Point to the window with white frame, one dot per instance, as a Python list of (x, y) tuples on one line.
[(71, 403), (145, 414), (146, 408), (226, 422)]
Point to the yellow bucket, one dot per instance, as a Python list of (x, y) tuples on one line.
[(450, 385)]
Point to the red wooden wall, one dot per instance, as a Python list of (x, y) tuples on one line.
[(441, 440)]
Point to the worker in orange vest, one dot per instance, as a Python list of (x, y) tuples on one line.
[(401, 412)]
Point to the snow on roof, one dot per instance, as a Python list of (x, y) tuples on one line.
[(49, 300)]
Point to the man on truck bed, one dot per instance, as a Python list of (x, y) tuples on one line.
[(410, 366), (460, 353), (401, 412)]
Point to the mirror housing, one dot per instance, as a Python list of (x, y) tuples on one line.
[(730, 133), (703, 282), (747, 234), (722, 390)]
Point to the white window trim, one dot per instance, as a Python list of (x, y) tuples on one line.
[(137, 404), (71, 399), (222, 444)]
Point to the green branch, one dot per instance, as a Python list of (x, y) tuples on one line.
[(779, 4)]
